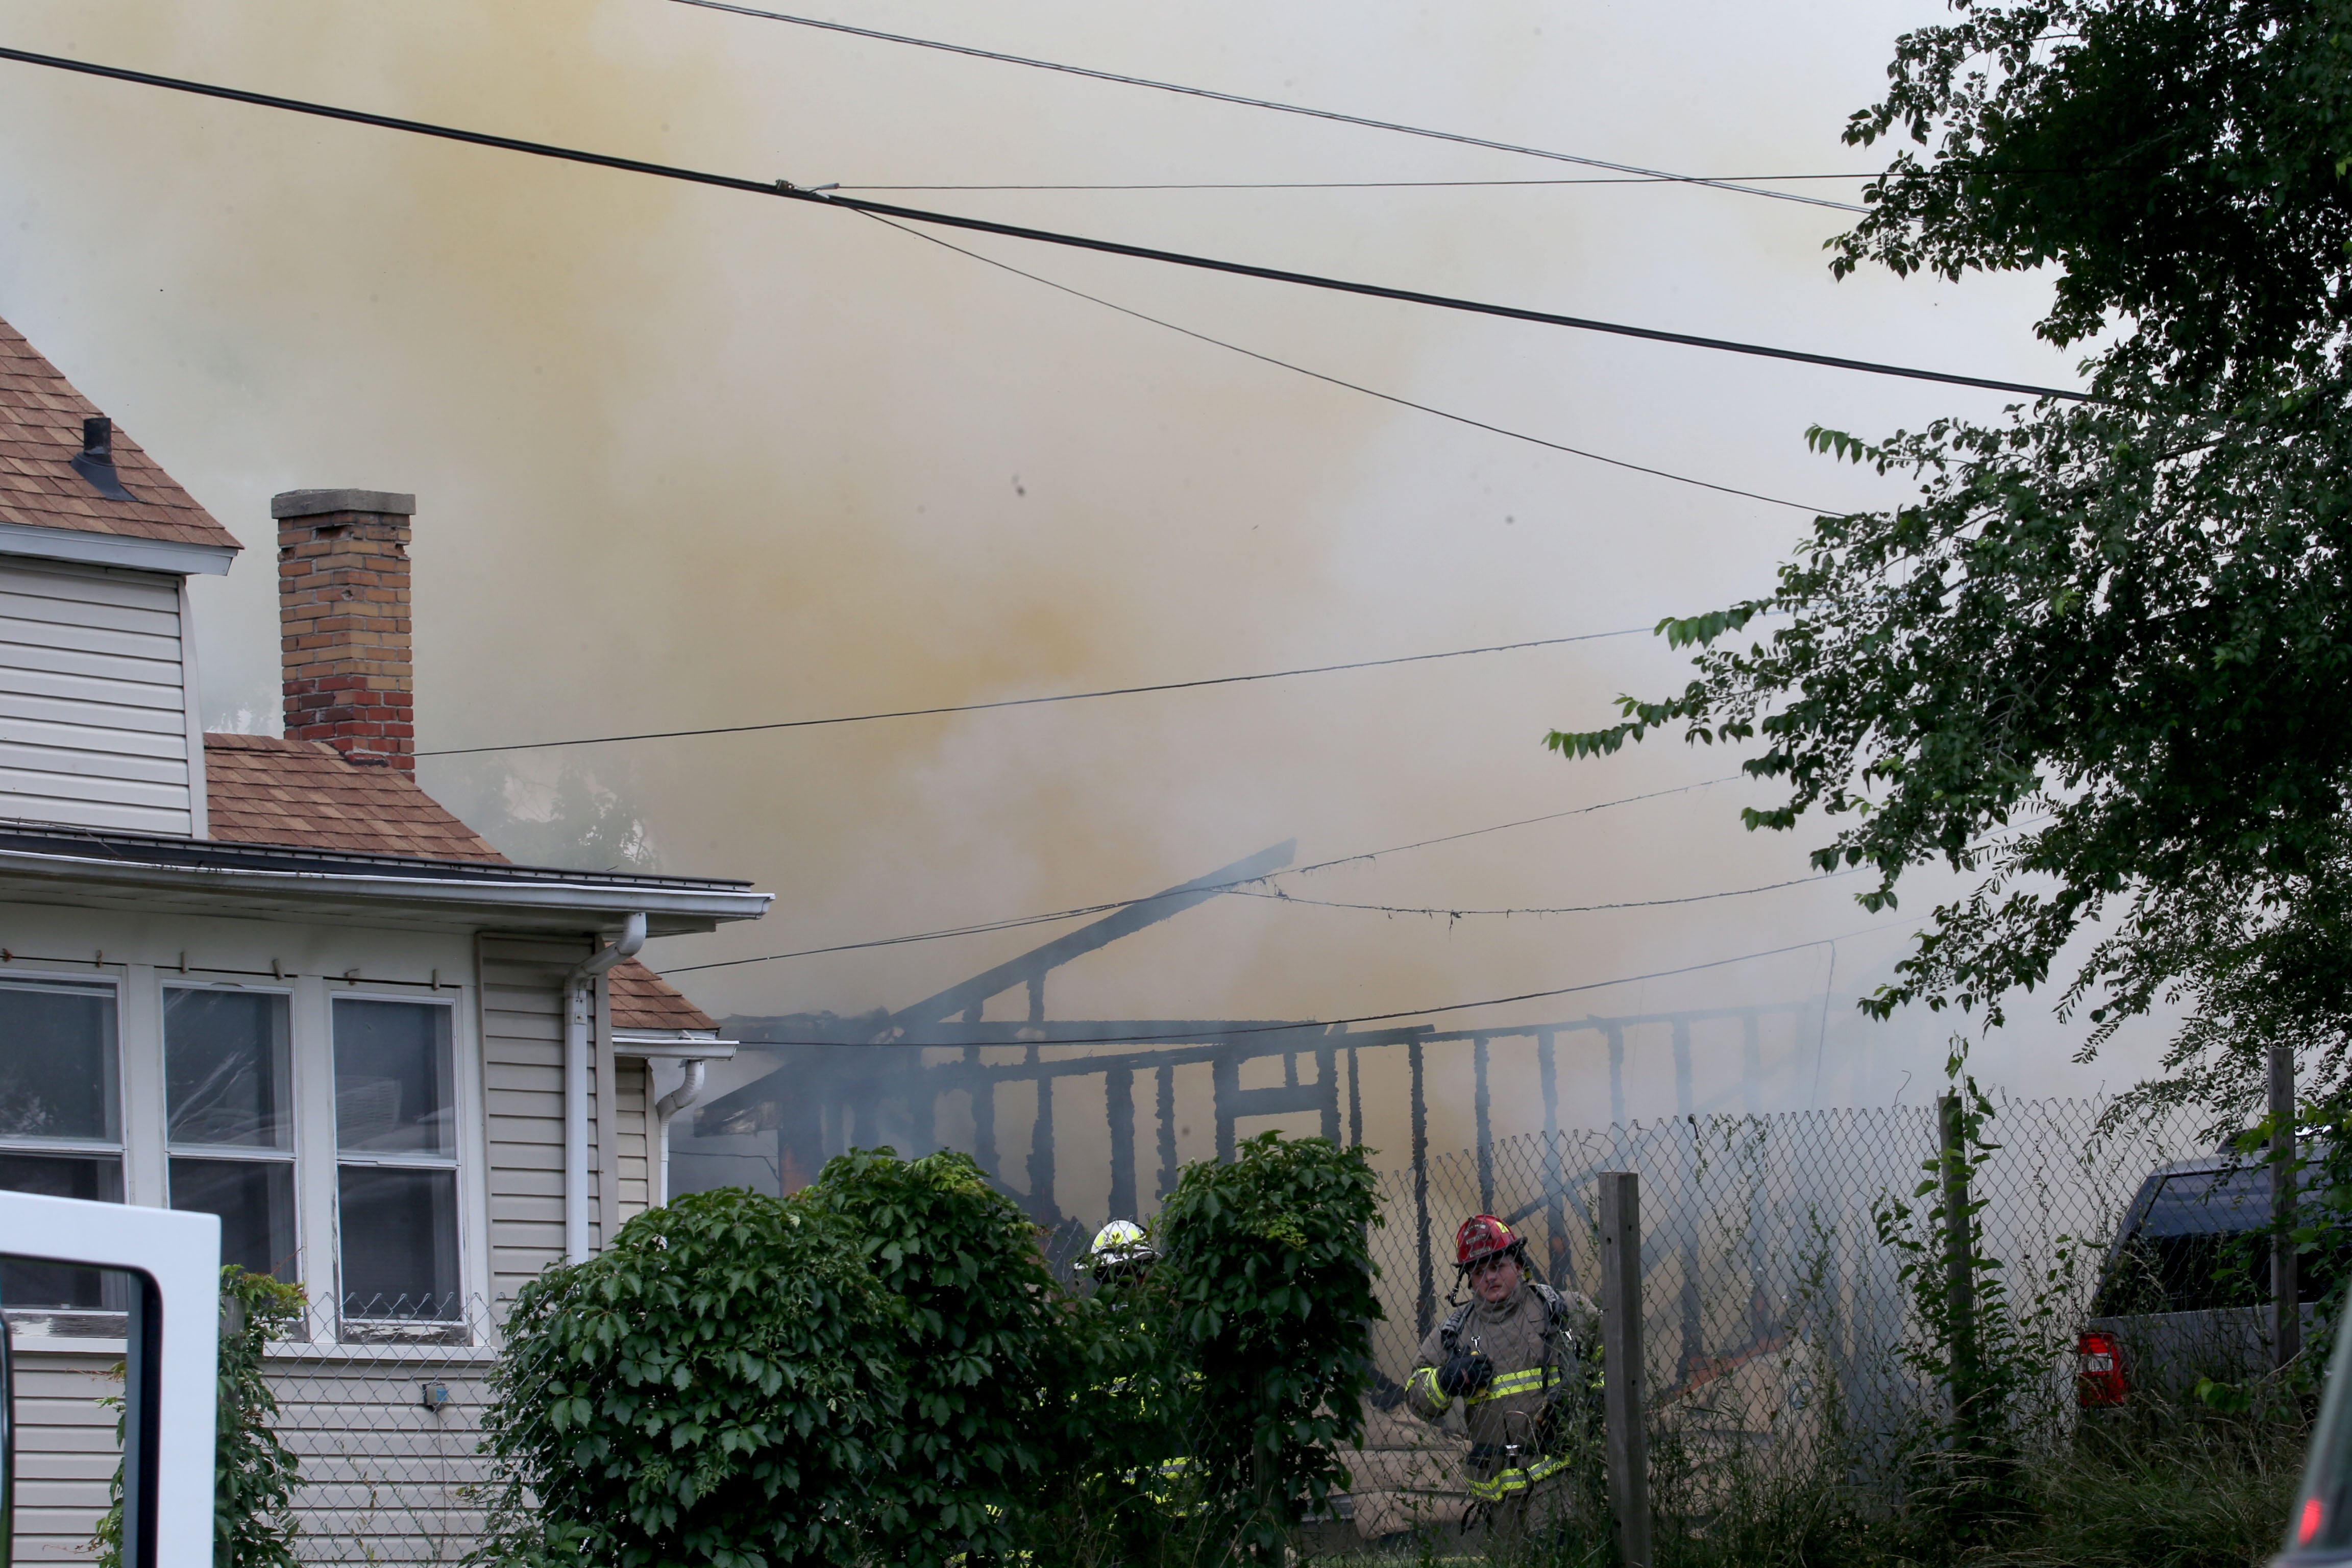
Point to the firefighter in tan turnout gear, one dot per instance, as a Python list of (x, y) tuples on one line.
[(1519, 1356)]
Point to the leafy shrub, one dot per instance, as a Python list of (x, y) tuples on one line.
[(991, 1364), (254, 1474), (721, 1389), (1271, 1283)]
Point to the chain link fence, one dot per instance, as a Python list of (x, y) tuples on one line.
[(1773, 1317), (387, 1432)]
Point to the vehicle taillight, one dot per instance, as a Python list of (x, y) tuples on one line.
[(2098, 1371)]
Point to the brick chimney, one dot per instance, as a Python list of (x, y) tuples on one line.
[(342, 613)]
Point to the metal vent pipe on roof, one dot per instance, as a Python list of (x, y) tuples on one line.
[(95, 461)]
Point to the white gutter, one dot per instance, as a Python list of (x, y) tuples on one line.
[(680, 909), (688, 1092), (579, 986), (694, 1052)]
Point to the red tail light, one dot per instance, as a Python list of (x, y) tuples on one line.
[(2098, 1371)]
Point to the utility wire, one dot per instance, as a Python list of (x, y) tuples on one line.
[(1278, 895), (1211, 93), (1350, 185), (1033, 701), (1017, 921), (1305, 1025), (1351, 386), (787, 191)]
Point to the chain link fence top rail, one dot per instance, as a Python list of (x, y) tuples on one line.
[(1774, 1316)]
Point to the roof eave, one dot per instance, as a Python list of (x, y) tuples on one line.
[(92, 549), (364, 898)]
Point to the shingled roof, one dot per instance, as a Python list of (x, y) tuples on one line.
[(259, 789), (40, 432)]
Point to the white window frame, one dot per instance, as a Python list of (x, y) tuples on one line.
[(291, 1155), (378, 1331)]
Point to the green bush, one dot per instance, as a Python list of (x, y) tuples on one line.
[(990, 1360), (254, 1474), (1270, 1277), (721, 1389)]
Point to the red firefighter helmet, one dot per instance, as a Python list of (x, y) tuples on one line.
[(1482, 1236)]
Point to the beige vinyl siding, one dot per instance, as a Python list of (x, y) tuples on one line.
[(382, 1478), (93, 699), (632, 1134), (66, 1453), (522, 1103)]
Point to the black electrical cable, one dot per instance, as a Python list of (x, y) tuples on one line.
[(786, 190), (1278, 895), (1276, 106), (1351, 386), (1307, 1024), (1015, 922), (1033, 701), (1349, 185)]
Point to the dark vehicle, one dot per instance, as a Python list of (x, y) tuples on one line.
[(2185, 1291)]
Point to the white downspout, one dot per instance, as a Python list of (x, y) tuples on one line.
[(578, 987), (689, 1091)]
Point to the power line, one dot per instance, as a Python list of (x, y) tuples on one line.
[(1306, 1024), (1279, 108), (789, 192), (1351, 386), (1033, 701), (1360, 184), (1015, 922), (1278, 895)]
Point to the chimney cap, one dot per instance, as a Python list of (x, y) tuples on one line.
[(317, 503)]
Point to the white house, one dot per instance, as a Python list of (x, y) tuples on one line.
[(272, 979)]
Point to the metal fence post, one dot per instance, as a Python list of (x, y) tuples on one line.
[(2287, 1311), (1621, 1364), (1959, 1262)]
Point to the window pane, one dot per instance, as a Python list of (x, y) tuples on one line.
[(225, 1068), (255, 1200), (56, 1063), (400, 1243), (98, 1177), (393, 1092)]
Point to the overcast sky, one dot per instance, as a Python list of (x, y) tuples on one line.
[(684, 457)]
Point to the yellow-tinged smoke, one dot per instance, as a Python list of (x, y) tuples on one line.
[(685, 457)]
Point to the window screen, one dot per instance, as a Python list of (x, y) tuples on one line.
[(60, 1122), (228, 1097), (397, 1181)]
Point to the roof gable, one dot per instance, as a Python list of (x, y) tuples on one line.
[(40, 432)]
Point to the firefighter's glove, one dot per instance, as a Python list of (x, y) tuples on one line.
[(1465, 1374)]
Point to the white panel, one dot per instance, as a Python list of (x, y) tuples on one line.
[(93, 699)]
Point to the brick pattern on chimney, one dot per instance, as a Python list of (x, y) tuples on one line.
[(342, 602)]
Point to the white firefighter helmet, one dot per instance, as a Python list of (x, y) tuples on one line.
[(1121, 1247)]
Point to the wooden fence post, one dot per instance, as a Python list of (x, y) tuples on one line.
[(1959, 1262), (2286, 1310), (1622, 1365)]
